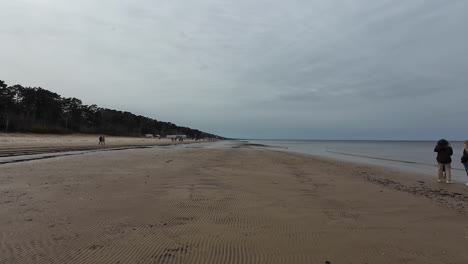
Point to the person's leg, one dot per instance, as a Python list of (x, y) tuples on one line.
[(448, 172), (440, 176), (466, 167)]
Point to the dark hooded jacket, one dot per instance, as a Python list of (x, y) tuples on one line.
[(444, 153), (465, 156)]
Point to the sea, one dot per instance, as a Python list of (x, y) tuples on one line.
[(412, 156)]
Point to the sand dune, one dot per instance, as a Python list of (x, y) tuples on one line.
[(224, 206)]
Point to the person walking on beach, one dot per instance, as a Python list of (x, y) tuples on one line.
[(102, 140), (444, 160), (464, 158)]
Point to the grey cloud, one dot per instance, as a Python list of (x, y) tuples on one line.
[(250, 68)]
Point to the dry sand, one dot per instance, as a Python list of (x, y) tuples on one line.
[(13, 144), (191, 205)]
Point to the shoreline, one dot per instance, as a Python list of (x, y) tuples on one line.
[(418, 158), (45, 148), (394, 160)]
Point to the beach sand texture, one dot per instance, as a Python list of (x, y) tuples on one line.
[(14, 144), (236, 205)]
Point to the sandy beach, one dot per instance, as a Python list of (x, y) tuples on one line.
[(234, 204), (13, 144)]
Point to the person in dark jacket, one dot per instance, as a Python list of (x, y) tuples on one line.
[(464, 158), (444, 160)]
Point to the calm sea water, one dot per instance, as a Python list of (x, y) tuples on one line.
[(415, 156)]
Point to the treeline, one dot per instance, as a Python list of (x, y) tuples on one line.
[(36, 110)]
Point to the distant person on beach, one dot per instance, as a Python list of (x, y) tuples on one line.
[(464, 158), (444, 160), (102, 140)]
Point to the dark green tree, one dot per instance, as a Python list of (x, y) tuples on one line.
[(33, 109)]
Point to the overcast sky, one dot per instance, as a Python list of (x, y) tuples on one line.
[(297, 69)]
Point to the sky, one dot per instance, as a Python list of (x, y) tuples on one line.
[(273, 69)]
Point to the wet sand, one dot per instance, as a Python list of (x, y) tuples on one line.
[(233, 205)]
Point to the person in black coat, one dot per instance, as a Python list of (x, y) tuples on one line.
[(464, 158), (444, 160)]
